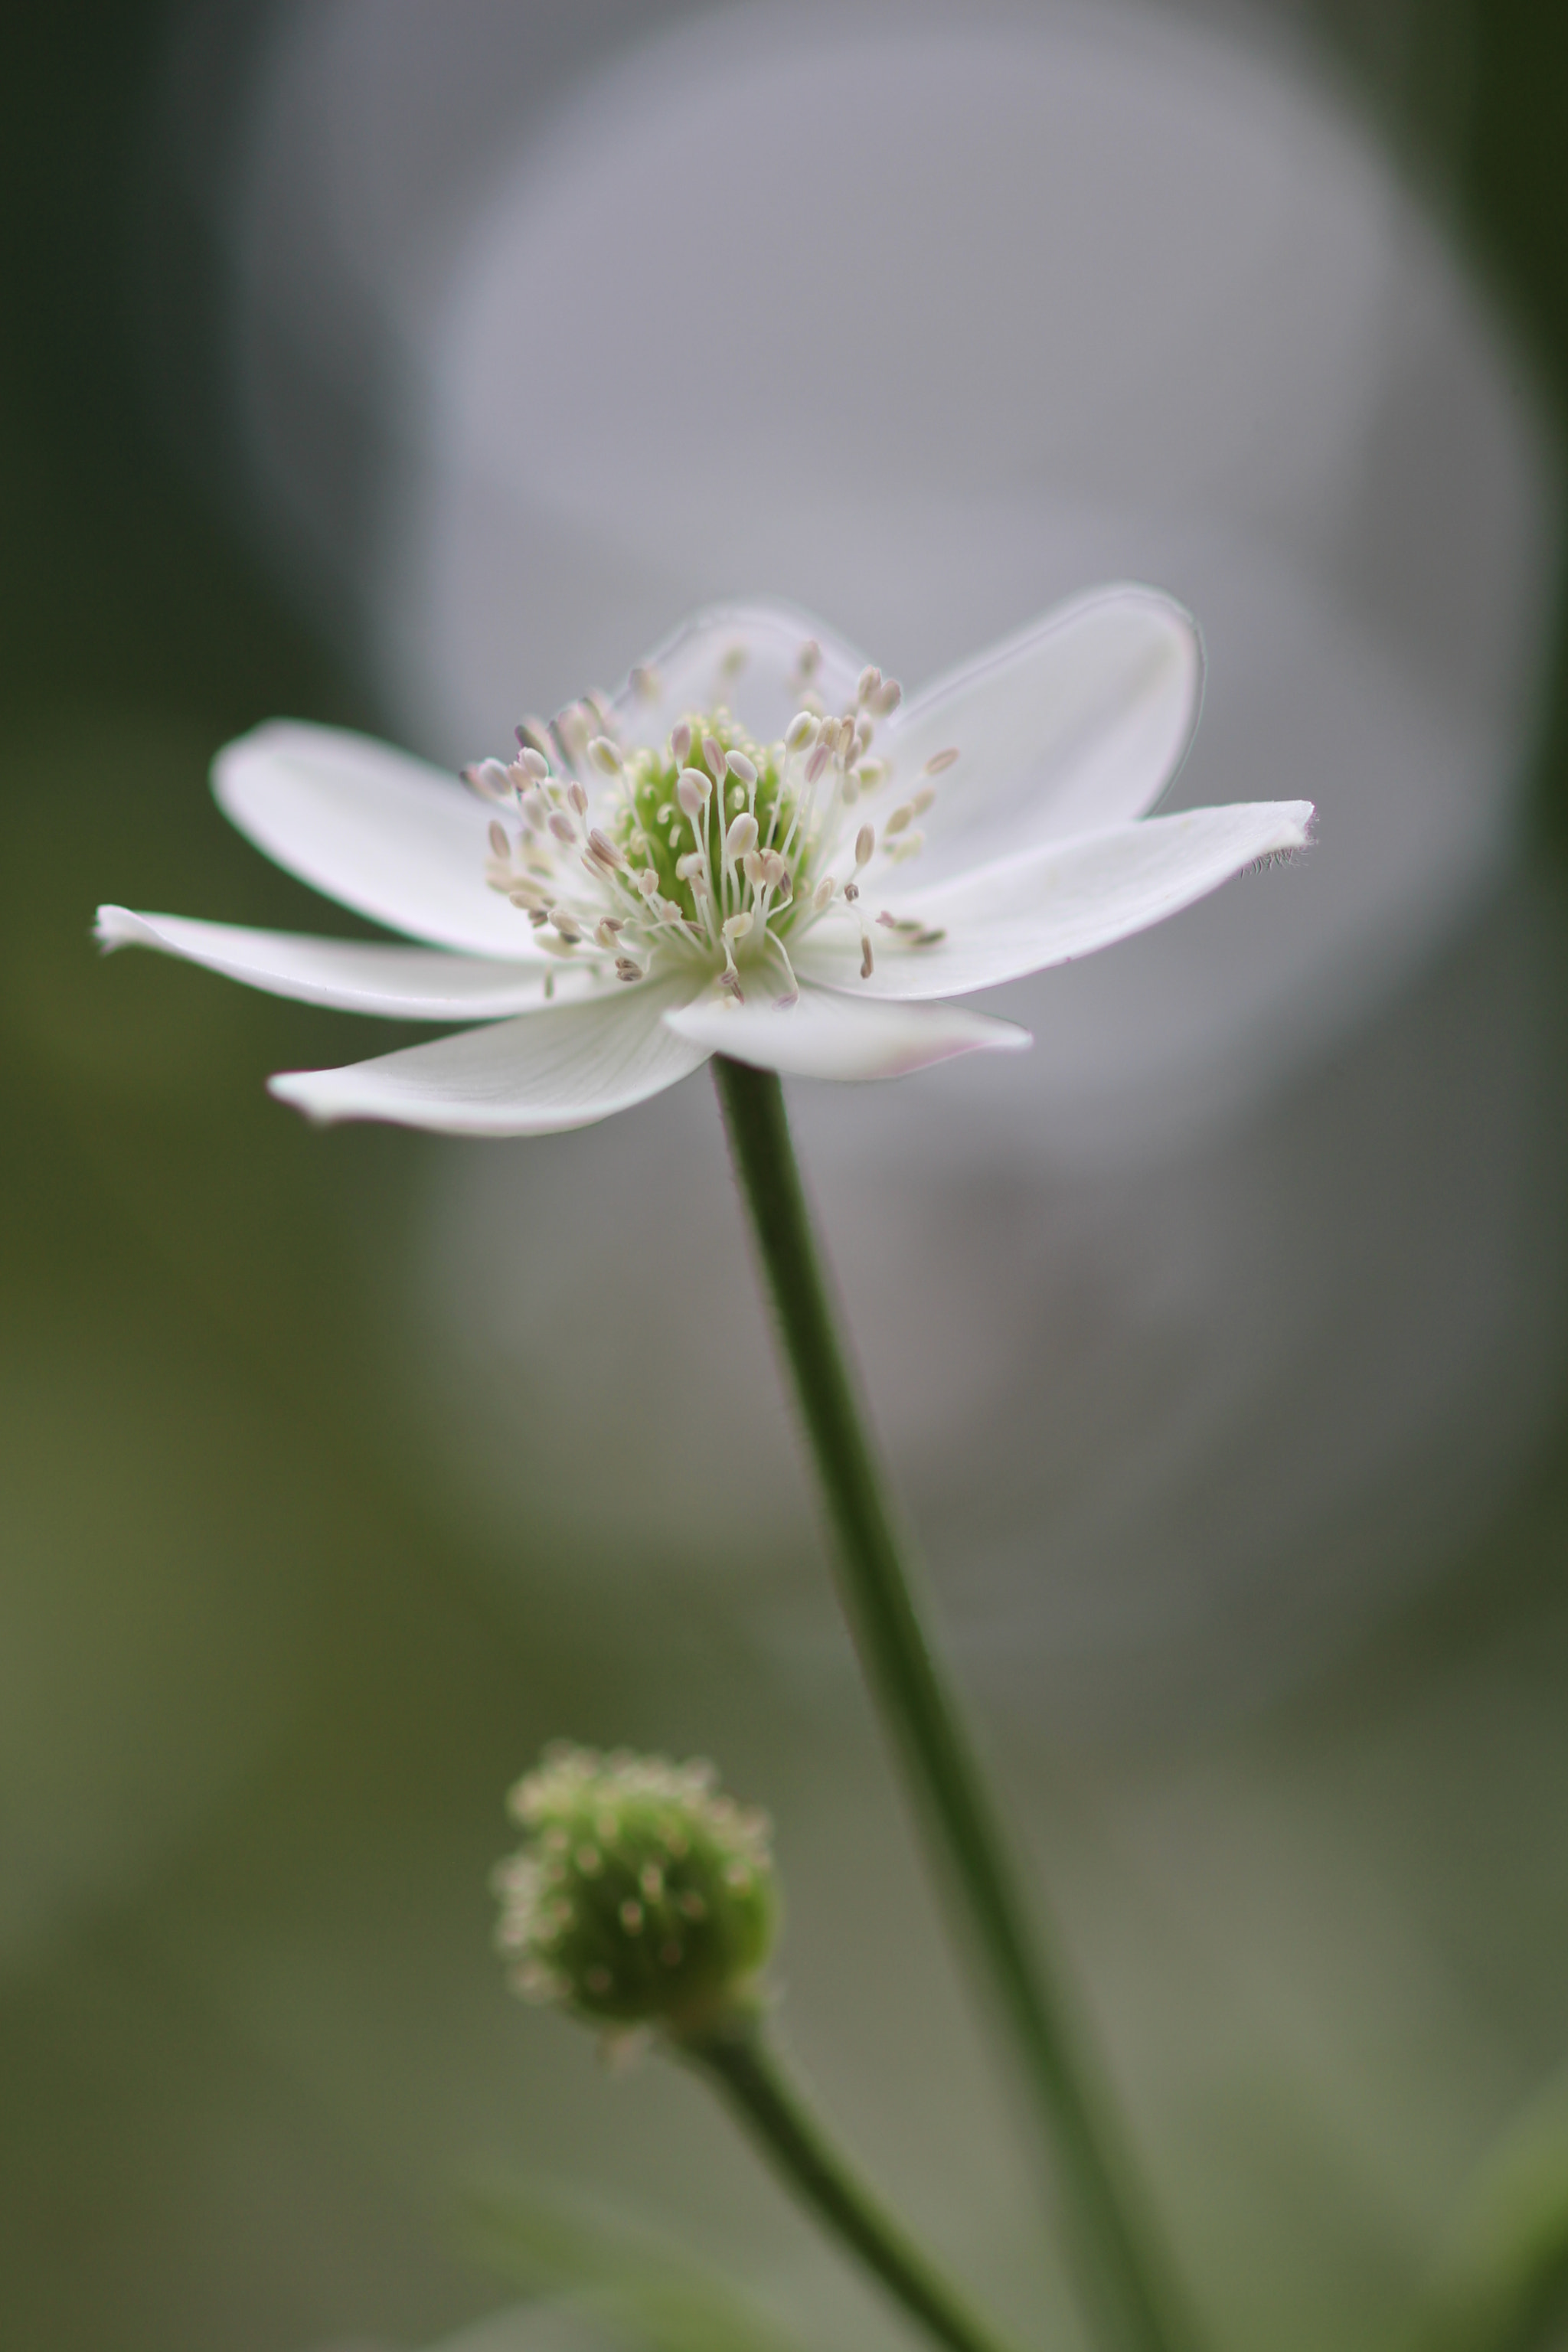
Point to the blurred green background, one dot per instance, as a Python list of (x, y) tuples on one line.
[(262, 1689)]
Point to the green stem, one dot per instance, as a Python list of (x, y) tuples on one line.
[(750, 2077), (921, 1711)]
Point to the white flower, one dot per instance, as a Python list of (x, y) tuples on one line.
[(755, 849)]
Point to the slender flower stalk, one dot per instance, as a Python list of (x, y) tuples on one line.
[(1118, 2272), (738, 2059), (644, 1902)]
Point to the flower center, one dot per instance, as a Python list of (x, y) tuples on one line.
[(710, 851)]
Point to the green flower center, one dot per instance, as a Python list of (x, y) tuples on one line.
[(699, 853)]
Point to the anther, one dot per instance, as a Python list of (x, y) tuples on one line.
[(867, 961), (870, 678), (802, 731), (604, 847), (533, 735), (865, 845), (490, 780), (823, 893), (605, 756), (817, 761), (645, 682), (939, 761), (888, 697), (739, 765), (713, 752), (809, 658), (901, 816), (500, 843), (741, 836), (736, 925), (691, 864), (921, 799), (627, 969), (851, 892), (566, 926), (692, 789), (562, 827), (578, 797), (680, 744), (537, 765)]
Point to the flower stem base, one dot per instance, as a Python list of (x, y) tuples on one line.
[(921, 1712)]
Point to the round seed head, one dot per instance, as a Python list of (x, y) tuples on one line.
[(642, 1894)]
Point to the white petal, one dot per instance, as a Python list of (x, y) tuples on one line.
[(355, 975), (826, 1035), (1060, 901), (384, 832), (697, 667), (1076, 723), (563, 1066)]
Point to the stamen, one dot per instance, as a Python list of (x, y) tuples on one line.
[(741, 836), (939, 761), (868, 962), (646, 683), (577, 796), (692, 790), (680, 744), (492, 781), (802, 731), (604, 847), (869, 680), (562, 827), (864, 845), (605, 755), (739, 765)]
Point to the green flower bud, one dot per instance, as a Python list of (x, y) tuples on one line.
[(643, 1897)]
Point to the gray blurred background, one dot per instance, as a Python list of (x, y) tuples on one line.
[(409, 363)]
